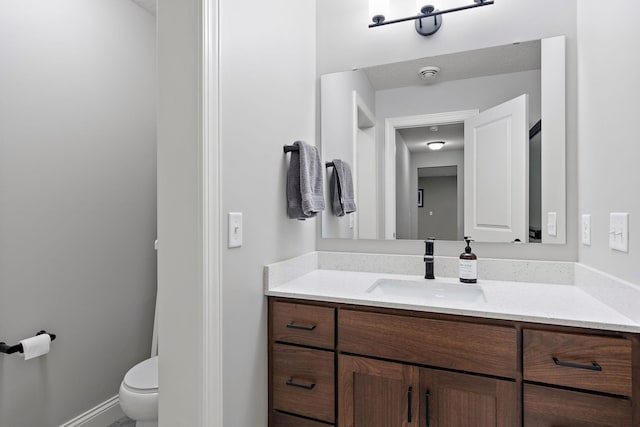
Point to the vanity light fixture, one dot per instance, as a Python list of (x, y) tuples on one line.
[(435, 145), (425, 25)]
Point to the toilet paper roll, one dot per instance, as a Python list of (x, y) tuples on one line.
[(36, 346)]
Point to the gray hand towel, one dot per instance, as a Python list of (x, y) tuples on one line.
[(342, 196), (305, 197)]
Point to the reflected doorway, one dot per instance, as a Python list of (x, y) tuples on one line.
[(437, 217)]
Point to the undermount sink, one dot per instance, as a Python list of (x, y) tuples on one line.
[(427, 289)]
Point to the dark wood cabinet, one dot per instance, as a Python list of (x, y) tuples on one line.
[(452, 399), (591, 366), (552, 407), (280, 419), (376, 393), (301, 365), (303, 381), (355, 366), (579, 361), (463, 346)]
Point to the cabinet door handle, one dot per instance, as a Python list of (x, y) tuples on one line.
[(409, 398), (308, 386), (593, 367), (426, 406), (301, 327)]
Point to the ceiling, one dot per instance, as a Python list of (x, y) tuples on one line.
[(511, 58), (417, 137), (504, 59)]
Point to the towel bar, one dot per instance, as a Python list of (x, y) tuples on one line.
[(288, 148), (9, 349), (329, 165)]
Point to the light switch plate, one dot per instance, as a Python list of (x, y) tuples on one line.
[(586, 229), (552, 223), (235, 229), (619, 231)]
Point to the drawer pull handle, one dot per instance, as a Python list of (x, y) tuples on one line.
[(409, 398), (304, 386), (593, 367), (301, 327)]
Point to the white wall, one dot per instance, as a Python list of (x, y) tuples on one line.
[(608, 130), (267, 100), (78, 201), (344, 24), (477, 93), (404, 192), (337, 130)]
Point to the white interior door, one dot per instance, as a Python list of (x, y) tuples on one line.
[(496, 162)]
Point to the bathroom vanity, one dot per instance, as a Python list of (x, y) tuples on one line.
[(345, 354)]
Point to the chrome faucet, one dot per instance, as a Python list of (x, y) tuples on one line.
[(428, 258)]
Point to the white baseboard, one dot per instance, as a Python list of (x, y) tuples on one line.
[(102, 415)]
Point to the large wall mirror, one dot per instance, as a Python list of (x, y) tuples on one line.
[(469, 143)]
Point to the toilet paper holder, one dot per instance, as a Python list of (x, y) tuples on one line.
[(9, 349)]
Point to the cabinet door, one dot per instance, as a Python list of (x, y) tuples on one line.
[(374, 393), (459, 400)]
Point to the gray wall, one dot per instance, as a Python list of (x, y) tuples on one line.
[(259, 114), (341, 24), (436, 159), (440, 200), (608, 131), (77, 201)]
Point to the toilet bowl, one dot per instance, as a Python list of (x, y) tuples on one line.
[(139, 393)]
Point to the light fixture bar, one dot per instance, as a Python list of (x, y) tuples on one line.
[(434, 13)]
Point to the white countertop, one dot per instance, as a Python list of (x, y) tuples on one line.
[(567, 305)]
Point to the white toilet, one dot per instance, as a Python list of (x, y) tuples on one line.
[(139, 393)]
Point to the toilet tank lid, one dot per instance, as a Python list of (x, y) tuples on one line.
[(143, 376)]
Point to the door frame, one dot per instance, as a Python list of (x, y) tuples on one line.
[(189, 217), (392, 124)]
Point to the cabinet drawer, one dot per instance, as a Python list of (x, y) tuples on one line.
[(278, 419), (303, 382), (549, 407), (580, 361), (462, 346), (304, 324)]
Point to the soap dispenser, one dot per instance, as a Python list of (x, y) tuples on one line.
[(468, 264)]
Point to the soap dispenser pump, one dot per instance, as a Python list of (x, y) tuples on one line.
[(468, 264)]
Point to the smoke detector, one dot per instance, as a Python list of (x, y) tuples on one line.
[(429, 73)]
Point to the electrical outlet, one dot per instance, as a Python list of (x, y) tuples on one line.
[(586, 229), (619, 231)]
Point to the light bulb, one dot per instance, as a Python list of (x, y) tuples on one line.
[(435, 145)]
